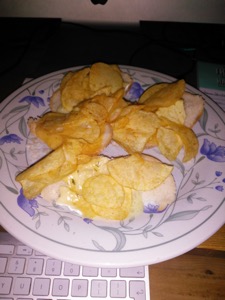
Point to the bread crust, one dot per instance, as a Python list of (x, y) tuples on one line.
[(194, 107)]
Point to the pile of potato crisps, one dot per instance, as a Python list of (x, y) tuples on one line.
[(88, 112), (104, 187)]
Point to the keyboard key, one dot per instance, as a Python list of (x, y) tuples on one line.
[(3, 262), (71, 269), (45, 299), (53, 267), (98, 288), (135, 272), (22, 286), (16, 265), (5, 285), (24, 250), (7, 249), (108, 272), (137, 290), (118, 289), (35, 266), (41, 287), (90, 271), (60, 287), (37, 253), (79, 288)]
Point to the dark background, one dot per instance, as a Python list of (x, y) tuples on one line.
[(34, 47)]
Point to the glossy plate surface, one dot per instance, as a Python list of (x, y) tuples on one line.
[(197, 213)]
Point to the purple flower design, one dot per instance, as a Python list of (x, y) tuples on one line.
[(219, 188), (27, 205), (87, 220), (213, 152), (152, 209), (218, 173), (35, 100), (10, 138), (135, 91)]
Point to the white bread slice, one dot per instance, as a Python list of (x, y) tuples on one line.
[(161, 196), (127, 81), (55, 102), (31, 123), (101, 143), (194, 106)]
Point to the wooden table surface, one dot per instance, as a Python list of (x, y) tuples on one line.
[(198, 274)]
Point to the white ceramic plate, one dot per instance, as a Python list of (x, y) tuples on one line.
[(197, 213)]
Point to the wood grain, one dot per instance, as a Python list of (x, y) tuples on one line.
[(215, 242), (188, 277)]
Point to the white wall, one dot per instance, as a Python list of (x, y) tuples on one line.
[(118, 11)]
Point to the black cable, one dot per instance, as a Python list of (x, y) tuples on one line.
[(187, 49)]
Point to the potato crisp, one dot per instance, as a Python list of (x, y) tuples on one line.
[(88, 112)]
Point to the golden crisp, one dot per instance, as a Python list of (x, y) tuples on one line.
[(169, 143), (187, 136), (164, 97), (134, 128), (95, 165), (106, 78), (102, 190), (120, 213), (75, 201), (175, 112), (114, 104), (130, 140), (98, 79), (100, 143), (94, 174), (75, 88), (93, 110), (137, 173), (50, 169), (83, 123), (151, 91)]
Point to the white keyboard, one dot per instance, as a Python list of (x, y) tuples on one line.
[(28, 274)]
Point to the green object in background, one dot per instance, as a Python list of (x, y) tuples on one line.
[(211, 76)]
